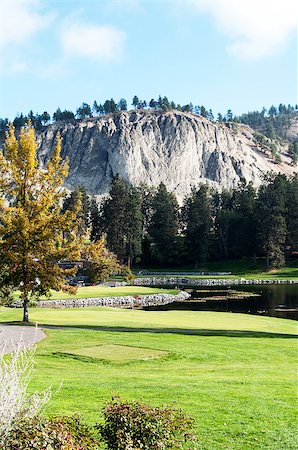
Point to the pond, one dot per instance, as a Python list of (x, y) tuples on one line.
[(271, 300)]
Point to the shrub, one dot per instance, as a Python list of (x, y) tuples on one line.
[(60, 433), (15, 403), (127, 274), (131, 425)]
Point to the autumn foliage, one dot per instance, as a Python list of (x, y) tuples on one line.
[(34, 233)]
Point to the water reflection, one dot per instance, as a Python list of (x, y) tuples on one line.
[(272, 300)]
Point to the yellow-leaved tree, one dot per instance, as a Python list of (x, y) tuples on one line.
[(35, 235), (99, 261)]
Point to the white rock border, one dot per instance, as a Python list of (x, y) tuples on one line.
[(181, 281), (116, 302)]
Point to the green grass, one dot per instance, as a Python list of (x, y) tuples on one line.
[(97, 317), (235, 374), (104, 291), (240, 268), (116, 353)]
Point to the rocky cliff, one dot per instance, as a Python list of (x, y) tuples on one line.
[(179, 149)]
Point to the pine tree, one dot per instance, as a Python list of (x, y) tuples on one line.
[(84, 111), (210, 115), (292, 214), (271, 215), (134, 225), (244, 234), (203, 111), (45, 118), (152, 103), (122, 221), (95, 221), (122, 105), (197, 219), (226, 220), (135, 101), (229, 115), (164, 225), (293, 151), (95, 108), (114, 217)]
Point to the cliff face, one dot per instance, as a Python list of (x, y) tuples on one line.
[(179, 149)]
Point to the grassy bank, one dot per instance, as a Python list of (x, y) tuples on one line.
[(235, 374), (248, 269), (105, 291)]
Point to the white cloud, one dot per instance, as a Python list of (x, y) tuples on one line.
[(11, 67), (19, 21), (257, 28), (93, 41)]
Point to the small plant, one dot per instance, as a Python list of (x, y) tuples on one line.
[(132, 425), (15, 403)]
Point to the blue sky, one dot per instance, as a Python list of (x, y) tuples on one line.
[(238, 54)]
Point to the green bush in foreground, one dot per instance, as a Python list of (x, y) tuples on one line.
[(60, 433), (131, 425)]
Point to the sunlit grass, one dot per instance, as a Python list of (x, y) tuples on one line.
[(248, 269), (104, 291), (167, 320), (236, 375)]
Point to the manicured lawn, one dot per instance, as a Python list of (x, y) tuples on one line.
[(240, 269), (236, 374), (198, 321), (105, 291)]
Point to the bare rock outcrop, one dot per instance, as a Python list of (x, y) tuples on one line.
[(179, 149)]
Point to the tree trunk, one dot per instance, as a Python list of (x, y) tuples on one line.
[(267, 261), (255, 258), (25, 305)]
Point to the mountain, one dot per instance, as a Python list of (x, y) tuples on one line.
[(177, 148)]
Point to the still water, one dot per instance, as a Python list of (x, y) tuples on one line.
[(271, 300)]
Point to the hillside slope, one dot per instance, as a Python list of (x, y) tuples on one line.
[(179, 149)]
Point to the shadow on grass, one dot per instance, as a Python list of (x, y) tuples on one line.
[(183, 331)]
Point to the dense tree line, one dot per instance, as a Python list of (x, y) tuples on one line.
[(268, 124), (272, 122), (146, 226)]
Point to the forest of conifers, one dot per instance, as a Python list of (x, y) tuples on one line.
[(146, 226), (273, 122)]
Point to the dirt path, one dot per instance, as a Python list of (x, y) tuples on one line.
[(11, 335)]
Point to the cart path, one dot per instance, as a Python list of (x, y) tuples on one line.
[(11, 335)]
